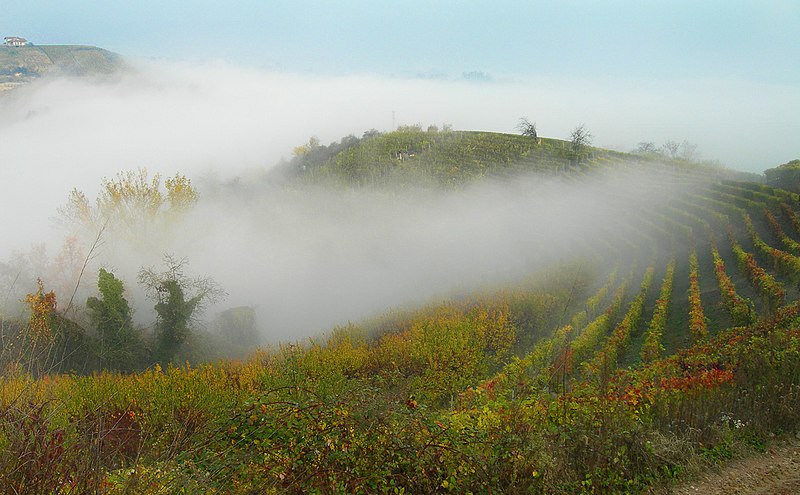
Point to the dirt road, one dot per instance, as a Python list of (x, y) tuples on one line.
[(776, 472)]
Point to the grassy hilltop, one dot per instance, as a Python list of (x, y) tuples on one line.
[(19, 65), (663, 342), (411, 155), (444, 158)]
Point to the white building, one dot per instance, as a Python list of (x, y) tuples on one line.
[(15, 41)]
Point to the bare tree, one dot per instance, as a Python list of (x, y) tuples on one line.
[(646, 148), (179, 298), (527, 128), (688, 152), (580, 138), (670, 149)]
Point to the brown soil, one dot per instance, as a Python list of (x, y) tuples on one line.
[(776, 472)]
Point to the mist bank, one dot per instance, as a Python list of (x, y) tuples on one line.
[(309, 258), (309, 261), (222, 119)]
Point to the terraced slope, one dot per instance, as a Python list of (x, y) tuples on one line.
[(666, 338)]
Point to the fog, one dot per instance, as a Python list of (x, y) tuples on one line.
[(310, 260)]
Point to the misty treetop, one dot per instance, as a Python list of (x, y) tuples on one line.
[(108, 337), (120, 345), (669, 149), (132, 204), (179, 299)]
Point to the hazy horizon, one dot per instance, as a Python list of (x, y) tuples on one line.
[(679, 40)]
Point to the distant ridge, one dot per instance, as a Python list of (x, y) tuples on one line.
[(23, 64)]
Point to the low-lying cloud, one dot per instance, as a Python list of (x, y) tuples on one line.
[(348, 256), (311, 258), (325, 257)]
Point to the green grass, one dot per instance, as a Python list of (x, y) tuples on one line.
[(455, 158)]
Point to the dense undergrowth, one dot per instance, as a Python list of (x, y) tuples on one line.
[(675, 345), (407, 412)]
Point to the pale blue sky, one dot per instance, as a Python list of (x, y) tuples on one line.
[(740, 40)]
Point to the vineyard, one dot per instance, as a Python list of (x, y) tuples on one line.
[(661, 343)]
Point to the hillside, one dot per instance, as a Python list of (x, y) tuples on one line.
[(20, 65), (446, 158), (663, 340)]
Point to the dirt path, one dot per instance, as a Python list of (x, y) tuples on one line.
[(776, 472)]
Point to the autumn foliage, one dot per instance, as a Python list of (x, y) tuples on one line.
[(697, 319), (583, 378), (42, 307)]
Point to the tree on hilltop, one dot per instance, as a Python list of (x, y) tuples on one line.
[(527, 128), (647, 148), (580, 138), (688, 151), (670, 149)]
